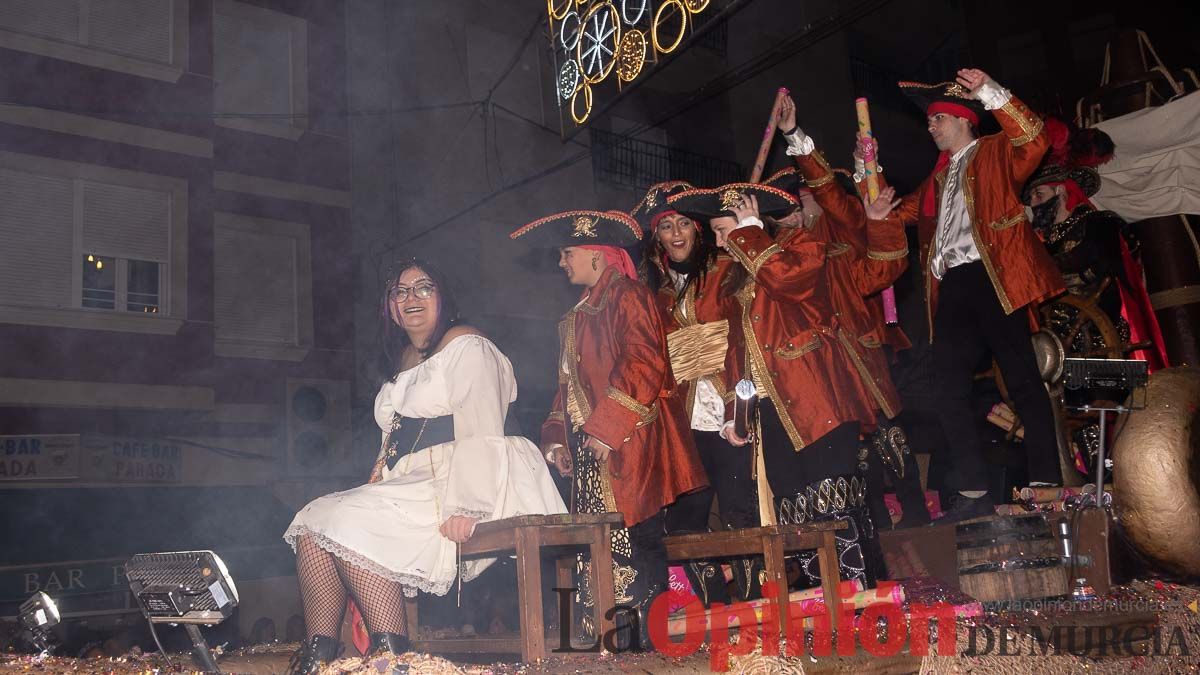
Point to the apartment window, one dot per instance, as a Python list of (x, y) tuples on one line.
[(262, 287), (260, 63), (88, 246), (140, 37)]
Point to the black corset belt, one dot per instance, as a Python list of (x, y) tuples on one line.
[(415, 433)]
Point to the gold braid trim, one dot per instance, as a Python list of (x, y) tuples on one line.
[(888, 255), (758, 262), (835, 248), (577, 404), (814, 183), (759, 372), (557, 415), (969, 197), (646, 413), (865, 375), (1030, 125)]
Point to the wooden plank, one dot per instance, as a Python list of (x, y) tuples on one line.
[(602, 578), (831, 577), (529, 590), (474, 645), (772, 548)]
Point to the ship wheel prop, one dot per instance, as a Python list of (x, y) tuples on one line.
[(1073, 326)]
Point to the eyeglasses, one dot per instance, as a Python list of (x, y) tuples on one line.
[(421, 292)]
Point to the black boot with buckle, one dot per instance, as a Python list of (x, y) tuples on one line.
[(389, 643), (318, 652), (838, 498)]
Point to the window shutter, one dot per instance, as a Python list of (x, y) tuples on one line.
[(137, 28), (255, 286), (37, 228), (267, 87), (55, 19), (126, 222)]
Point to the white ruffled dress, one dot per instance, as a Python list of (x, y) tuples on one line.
[(391, 527)]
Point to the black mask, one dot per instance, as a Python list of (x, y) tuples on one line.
[(1044, 213)]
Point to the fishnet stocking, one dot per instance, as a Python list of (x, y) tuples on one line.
[(380, 601), (321, 590)]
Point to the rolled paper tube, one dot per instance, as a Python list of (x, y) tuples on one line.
[(800, 602), (864, 130), (1043, 495), (764, 148), (890, 315)]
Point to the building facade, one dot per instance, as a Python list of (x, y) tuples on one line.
[(175, 287)]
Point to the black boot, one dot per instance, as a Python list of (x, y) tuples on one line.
[(389, 643), (708, 581), (314, 655), (748, 575), (835, 498)]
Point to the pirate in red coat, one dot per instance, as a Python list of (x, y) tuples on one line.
[(785, 339), (616, 427), (683, 264), (982, 264), (865, 254)]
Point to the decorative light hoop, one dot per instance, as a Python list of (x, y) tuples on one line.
[(683, 15), (586, 90), (616, 41), (562, 31), (643, 5), (557, 16), (631, 56), (696, 6), (568, 79)]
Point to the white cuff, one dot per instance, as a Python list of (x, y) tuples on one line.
[(550, 452), (750, 221), (601, 442), (798, 143), (993, 95)]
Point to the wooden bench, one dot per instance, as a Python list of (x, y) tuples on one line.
[(772, 543), (528, 537)]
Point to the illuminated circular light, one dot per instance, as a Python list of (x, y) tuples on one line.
[(557, 15), (596, 55), (631, 55), (568, 31), (586, 91), (641, 5), (658, 17), (568, 79), (696, 6)]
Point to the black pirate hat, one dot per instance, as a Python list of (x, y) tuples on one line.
[(1085, 177), (706, 204), (654, 204), (580, 228), (945, 97)]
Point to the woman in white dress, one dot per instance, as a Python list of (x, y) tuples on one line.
[(445, 466)]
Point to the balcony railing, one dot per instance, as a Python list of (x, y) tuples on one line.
[(629, 162)]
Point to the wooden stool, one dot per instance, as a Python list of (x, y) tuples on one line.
[(528, 536), (771, 542)]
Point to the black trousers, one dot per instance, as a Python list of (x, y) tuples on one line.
[(788, 471), (728, 470), (970, 324)]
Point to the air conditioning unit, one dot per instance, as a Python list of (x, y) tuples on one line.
[(318, 427)]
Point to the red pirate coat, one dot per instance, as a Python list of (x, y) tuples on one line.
[(784, 330), (1020, 269), (615, 385), (861, 260)]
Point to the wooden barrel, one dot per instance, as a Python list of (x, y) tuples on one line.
[(1010, 558)]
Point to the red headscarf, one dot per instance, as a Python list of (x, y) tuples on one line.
[(614, 257), (1074, 194), (929, 204)]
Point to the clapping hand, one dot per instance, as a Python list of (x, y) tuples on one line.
[(883, 204)]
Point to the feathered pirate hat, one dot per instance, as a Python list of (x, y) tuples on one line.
[(580, 228), (944, 97), (709, 203), (654, 205)]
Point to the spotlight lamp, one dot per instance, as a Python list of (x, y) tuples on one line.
[(38, 615), (192, 588)]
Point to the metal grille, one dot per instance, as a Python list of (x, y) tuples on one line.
[(629, 162), (173, 570)]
